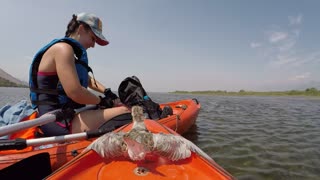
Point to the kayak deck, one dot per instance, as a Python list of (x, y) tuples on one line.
[(90, 165), (158, 168)]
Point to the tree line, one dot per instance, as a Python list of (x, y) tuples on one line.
[(307, 92)]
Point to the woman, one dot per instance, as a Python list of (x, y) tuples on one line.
[(59, 79)]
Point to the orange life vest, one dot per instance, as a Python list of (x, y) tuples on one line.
[(24, 134)]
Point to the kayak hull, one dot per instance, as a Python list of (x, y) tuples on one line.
[(185, 113), (89, 165)]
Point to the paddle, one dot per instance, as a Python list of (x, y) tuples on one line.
[(44, 119), (19, 143)]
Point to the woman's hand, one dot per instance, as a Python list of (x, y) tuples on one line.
[(105, 102), (108, 93), (117, 102)]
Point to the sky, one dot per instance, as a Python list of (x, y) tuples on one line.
[(191, 45)]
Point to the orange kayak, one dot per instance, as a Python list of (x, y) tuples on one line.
[(90, 165), (185, 113)]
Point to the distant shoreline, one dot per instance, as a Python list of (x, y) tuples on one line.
[(22, 86), (13, 85), (312, 92)]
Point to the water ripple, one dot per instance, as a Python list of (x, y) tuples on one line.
[(262, 137)]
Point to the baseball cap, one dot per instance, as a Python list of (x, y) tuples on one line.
[(96, 26)]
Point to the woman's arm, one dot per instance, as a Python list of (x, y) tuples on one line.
[(101, 88), (66, 70), (93, 86)]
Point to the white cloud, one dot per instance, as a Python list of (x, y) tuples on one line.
[(310, 58), (277, 36), (303, 76), (255, 45), (293, 59), (282, 47), (295, 20), (284, 60), (287, 46), (296, 32)]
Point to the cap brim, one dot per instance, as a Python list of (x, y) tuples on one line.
[(101, 40)]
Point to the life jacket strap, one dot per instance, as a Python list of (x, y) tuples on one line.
[(47, 91), (42, 102)]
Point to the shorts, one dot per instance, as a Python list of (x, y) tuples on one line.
[(54, 129)]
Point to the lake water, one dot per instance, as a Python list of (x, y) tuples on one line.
[(250, 137)]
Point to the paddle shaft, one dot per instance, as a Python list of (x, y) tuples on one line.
[(65, 138), (44, 119), (19, 143)]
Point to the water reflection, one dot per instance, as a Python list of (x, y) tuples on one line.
[(192, 134)]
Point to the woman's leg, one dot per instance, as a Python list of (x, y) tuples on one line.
[(93, 119)]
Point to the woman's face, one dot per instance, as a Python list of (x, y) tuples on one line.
[(87, 37)]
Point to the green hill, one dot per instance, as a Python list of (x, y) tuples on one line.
[(7, 83), (6, 80)]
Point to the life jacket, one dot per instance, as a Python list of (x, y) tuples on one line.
[(81, 60), (29, 133)]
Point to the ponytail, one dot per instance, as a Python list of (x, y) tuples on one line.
[(72, 26)]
